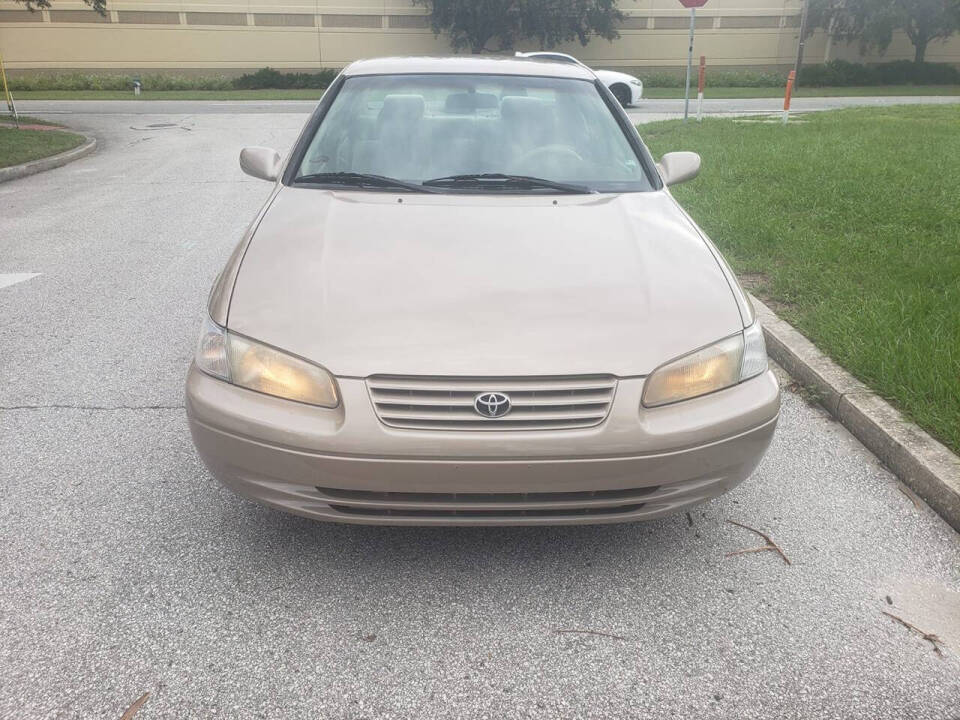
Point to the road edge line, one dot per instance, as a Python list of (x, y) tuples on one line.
[(15, 172), (924, 464)]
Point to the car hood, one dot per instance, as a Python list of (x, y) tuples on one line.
[(365, 283)]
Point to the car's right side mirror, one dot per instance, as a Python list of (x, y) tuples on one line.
[(261, 162), (678, 167)]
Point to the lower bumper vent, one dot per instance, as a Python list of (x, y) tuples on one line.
[(407, 512), (489, 505)]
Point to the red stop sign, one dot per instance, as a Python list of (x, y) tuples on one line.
[(693, 3)]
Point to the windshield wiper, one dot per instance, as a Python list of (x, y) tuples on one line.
[(482, 180), (355, 179)]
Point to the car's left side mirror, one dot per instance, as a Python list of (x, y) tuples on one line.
[(678, 167), (261, 162)]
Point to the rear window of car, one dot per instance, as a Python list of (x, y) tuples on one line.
[(417, 128)]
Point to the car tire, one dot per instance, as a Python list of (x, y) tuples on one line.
[(622, 94)]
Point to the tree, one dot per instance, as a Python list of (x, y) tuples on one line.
[(873, 22), (100, 6), (552, 22), (474, 24)]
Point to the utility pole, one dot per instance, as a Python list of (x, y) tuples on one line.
[(692, 5), (803, 38), (686, 92)]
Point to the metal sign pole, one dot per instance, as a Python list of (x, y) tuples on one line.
[(686, 93), (8, 96), (700, 82)]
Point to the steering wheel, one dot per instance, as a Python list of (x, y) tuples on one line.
[(556, 151)]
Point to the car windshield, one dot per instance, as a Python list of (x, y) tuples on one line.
[(511, 130)]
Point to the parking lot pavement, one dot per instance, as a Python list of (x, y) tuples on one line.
[(646, 111), (125, 569)]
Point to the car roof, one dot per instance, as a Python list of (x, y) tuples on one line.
[(465, 65)]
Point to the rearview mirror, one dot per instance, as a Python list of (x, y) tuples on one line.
[(678, 167), (261, 162)]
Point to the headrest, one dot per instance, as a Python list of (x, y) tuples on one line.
[(525, 109), (468, 102), (403, 108)]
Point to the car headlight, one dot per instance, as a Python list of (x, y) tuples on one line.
[(255, 366), (636, 82), (715, 367)]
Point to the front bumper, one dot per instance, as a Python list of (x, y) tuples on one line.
[(347, 466)]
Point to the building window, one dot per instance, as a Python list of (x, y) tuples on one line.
[(12, 16), (78, 16), (633, 22), (148, 17), (283, 19), (682, 23), (351, 21), (750, 21), (409, 22), (216, 18)]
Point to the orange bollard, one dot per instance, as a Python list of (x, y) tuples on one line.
[(786, 98)]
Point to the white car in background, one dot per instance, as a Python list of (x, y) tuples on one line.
[(627, 89)]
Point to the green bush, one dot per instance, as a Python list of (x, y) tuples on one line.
[(659, 79), (90, 81), (836, 73), (716, 78), (744, 78), (185, 82), (903, 72), (274, 79), (839, 73)]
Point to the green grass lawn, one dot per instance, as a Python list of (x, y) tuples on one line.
[(649, 92), (849, 223), (7, 119), (719, 93), (20, 146)]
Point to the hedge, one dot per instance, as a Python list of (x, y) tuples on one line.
[(900, 72), (274, 79), (836, 73)]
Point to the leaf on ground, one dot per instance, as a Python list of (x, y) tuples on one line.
[(135, 708)]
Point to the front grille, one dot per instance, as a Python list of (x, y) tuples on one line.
[(438, 403)]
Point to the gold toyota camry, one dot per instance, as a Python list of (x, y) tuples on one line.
[(471, 299)]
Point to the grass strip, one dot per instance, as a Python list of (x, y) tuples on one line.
[(849, 224), (20, 146)]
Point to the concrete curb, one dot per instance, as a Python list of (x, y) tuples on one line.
[(921, 462), (48, 163)]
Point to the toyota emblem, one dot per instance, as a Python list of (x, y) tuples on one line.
[(492, 404)]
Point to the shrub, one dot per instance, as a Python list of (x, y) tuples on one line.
[(660, 79), (905, 72), (91, 81), (836, 73), (840, 73), (745, 78), (274, 79), (716, 78)]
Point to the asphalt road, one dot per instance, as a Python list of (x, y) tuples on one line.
[(125, 569), (648, 110)]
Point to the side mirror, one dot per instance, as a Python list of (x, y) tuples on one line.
[(678, 167), (261, 162)]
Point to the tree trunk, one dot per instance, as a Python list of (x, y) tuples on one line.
[(920, 47), (479, 45)]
